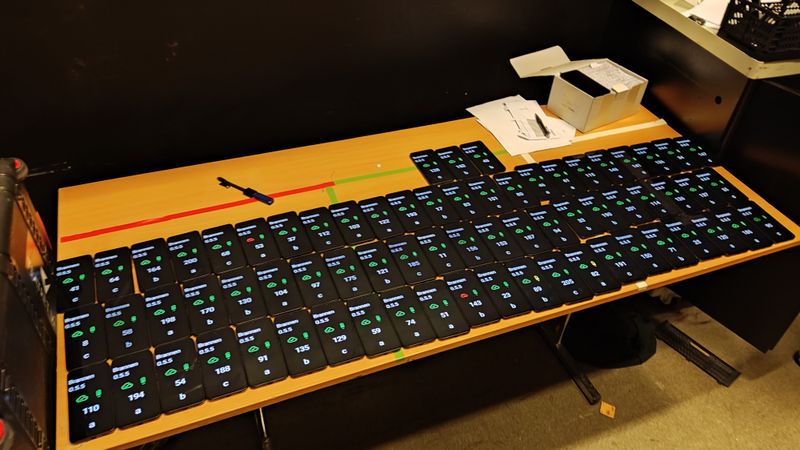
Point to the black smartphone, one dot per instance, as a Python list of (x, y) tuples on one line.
[(583, 82)]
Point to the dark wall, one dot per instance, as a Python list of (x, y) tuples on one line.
[(110, 88), (762, 148), (696, 92)]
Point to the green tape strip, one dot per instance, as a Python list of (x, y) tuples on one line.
[(374, 175), (331, 195), (399, 355)]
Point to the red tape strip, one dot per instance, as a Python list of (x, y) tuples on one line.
[(191, 212)]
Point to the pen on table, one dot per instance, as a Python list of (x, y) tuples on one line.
[(541, 124), (249, 192)]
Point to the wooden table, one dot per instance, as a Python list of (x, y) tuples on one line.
[(121, 212)]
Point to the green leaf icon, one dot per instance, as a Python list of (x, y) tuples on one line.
[(252, 349), (182, 254), (77, 334), (291, 340), (145, 262), (106, 272), (329, 329), (365, 322), (119, 323), (198, 302), (67, 280), (126, 386), (81, 398), (399, 314), (213, 360), (170, 372), (159, 312)]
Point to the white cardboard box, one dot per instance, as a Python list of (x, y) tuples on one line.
[(575, 106)]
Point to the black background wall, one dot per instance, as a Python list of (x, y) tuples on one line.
[(94, 89)]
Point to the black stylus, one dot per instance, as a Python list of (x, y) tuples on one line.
[(247, 191)]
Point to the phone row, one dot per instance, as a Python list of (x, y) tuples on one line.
[(141, 385), (577, 272), (159, 262), (600, 169)]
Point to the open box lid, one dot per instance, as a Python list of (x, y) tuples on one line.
[(550, 61)]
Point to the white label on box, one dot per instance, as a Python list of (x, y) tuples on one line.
[(610, 76)]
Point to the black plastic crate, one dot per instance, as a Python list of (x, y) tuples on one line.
[(767, 31)]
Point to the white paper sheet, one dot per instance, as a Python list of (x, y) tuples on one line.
[(512, 120)]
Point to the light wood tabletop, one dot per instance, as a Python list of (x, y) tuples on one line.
[(124, 211)]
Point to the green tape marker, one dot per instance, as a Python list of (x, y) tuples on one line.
[(331, 194), (375, 175)]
